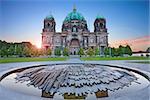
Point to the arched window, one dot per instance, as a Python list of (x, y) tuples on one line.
[(48, 24), (98, 24), (102, 25), (74, 29), (92, 40)]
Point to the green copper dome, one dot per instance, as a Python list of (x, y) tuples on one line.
[(49, 17), (74, 15), (99, 17)]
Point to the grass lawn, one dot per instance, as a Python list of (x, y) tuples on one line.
[(114, 58), (9, 60)]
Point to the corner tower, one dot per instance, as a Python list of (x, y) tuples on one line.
[(49, 24), (100, 24), (101, 33), (48, 31)]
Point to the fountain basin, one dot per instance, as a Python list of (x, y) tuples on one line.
[(74, 80)]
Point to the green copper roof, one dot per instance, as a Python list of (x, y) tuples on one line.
[(49, 17), (99, 17), (74, 15)]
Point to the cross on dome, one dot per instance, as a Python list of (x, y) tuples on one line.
[(74, 8)]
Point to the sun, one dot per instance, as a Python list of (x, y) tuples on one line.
[(38, 45)]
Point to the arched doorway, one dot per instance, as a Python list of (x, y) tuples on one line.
[(74, 46)]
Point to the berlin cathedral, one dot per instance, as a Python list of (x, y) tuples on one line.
[(75, 34)]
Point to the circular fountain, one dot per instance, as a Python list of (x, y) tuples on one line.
[(74, 80)]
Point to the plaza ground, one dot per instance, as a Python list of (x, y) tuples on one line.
[(140, 95)]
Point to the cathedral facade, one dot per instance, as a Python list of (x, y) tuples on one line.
[(75, 34)]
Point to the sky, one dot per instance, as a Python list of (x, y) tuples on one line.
[(127, 21)]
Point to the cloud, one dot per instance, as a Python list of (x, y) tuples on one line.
[(137, 44)]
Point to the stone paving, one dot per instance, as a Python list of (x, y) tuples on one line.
[(144, 94)]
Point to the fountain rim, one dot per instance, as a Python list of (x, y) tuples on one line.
[(14, 70)]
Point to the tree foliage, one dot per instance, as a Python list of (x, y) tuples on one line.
[(90, 52), (48, 51), (57, 52), (106, 51), (18, 49), (97, 51), (81, 52), (128, 50), (121, 51), (26, 49), (65, 52)]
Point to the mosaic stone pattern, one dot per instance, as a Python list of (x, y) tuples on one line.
[(76, 79)]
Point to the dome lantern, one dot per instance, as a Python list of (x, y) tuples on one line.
[(74, 8)]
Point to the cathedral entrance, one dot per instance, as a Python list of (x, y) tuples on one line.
[(74, 47)]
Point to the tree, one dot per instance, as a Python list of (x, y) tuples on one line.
[(81, 52), (97, 51), (44, 51), (106, 51), (48, 51), (116, 52), (112, 51), (29, 49), (11, 50), (4, 51), (120, 50), (65, 52), (27, 52), (57, 52), (19, 49), (128, 50), (90, 52), (34, 51), (41, 51), (4, 48)]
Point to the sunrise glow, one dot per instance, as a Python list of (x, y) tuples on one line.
[(126, 21)]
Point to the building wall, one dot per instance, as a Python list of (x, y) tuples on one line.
[(75, 34)]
